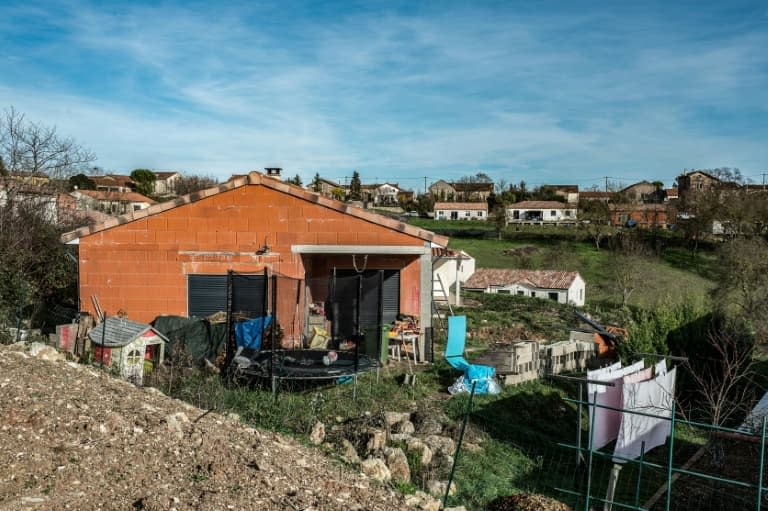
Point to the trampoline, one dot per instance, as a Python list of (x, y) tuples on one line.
[(258, 355), (303, 365)]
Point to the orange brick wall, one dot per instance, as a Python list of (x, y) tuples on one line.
[(141, 267)]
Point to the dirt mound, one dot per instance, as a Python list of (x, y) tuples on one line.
[(72, 437)]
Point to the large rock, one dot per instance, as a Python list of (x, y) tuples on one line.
[(174, 423), (398, 464), (375, 468), (377, 440), (404, 428), (416, 446), (317, 435), (421, 500), (441, 444), (45, 352), (437, 488), (348, 451), (392, 418), (429, 422)]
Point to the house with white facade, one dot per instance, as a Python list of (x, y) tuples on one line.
[(386, 194), (565, 287), (112, 203), (461, 211), (541, 212), (450, 270), (165, 183)]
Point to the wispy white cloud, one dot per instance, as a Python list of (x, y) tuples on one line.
[(442, 93)]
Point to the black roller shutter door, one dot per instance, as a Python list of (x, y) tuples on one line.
[(206, 295)]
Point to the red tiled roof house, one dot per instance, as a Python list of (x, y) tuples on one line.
[(560, 286), (172, 258)]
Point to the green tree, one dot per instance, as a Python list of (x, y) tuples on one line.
[(316, 184), (355, 187), (425, 204), (144, 180), (742, 283), (295, 180), (81, 182)]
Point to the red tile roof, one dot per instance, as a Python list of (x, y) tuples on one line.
[(482, 206), (540, 204), (116, 196), (255, 178), (484, 278), (449, 252)]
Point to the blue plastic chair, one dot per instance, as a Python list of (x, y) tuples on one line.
[(454, 355), (454, 347)]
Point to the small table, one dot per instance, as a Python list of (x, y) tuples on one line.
[(403, 339)]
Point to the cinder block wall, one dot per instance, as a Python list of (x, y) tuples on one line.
[(141, 266)]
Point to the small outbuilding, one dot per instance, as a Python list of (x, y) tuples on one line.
[(566, 287), (130, 348)]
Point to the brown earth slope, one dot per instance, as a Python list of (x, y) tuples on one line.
[(72, 437)]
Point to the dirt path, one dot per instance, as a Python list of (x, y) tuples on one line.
[(72, 437)]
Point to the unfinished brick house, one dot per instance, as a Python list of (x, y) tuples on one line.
[(173, 258)]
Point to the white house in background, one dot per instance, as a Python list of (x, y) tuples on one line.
[(112, 203), (451, 268), (560, 286), (541, 212), (165, 183), (461, 211), (385, 194)]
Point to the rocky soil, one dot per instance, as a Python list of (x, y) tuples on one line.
[(72, 437)]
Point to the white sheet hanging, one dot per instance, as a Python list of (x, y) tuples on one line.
[(606, 422), (653, 397)]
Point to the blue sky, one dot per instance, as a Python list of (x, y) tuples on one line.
[(546, 92)]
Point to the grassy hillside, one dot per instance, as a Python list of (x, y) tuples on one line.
[(671, 277)]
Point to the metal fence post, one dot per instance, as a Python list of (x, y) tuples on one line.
[(591, 445), (759, 502), (671, 453), (639, 475), (458, 444)]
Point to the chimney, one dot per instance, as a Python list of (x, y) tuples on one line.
[(273, 172)]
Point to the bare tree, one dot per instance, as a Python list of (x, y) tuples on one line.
[(596, 218), (27, 146), (722, 378), (190, 184)]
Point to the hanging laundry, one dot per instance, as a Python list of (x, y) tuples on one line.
[(606, 422), (596, 374), (653, 397), (660, 367)]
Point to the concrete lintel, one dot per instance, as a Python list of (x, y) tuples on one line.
[(361, 249)]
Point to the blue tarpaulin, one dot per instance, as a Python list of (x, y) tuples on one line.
[(249, 333)]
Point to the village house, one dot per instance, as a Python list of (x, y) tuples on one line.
[(642, 193), (460, 191), (174, 258), (450, 269), (113, 183), (112, 203), (560, 286), (570, 193), (165, 183), (461, 211), (649, 216), (541, 212)]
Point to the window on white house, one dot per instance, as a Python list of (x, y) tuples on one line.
[(567, 212), (553, 296), (521, 293), (504, 291), (479, 213), (553, 213), (467, 213)]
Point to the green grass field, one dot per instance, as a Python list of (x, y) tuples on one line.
[(670, 278)]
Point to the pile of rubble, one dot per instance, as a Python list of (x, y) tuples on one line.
[(72, 437)]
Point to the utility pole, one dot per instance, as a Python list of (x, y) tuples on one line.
[(425, 183), (606, 184), (764, 174)]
